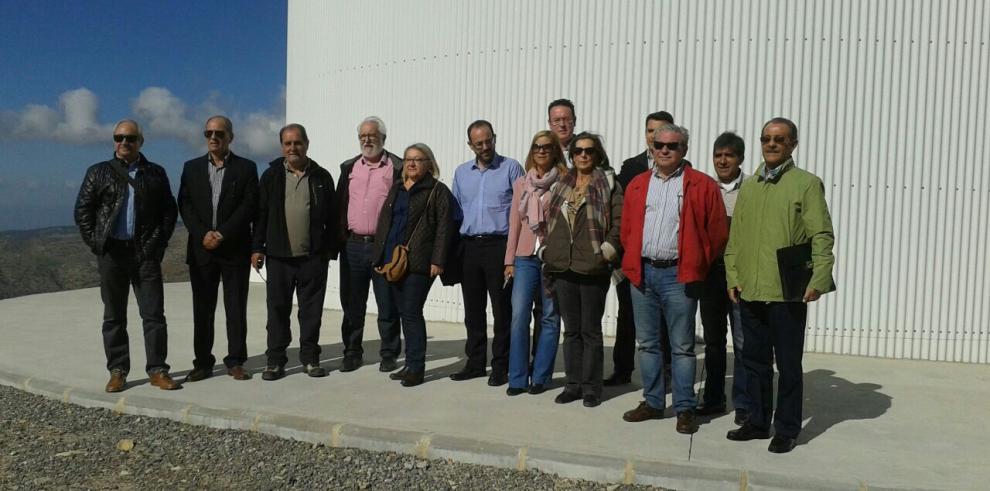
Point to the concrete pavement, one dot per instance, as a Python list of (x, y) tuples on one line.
[(869, 423)]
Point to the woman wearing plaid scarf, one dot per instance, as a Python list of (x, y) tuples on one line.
[(582, 241)]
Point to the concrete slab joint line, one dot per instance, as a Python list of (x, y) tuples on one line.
[(335, 435), (629, 473), (65, 395), (863, 486), (119, 408), (423, 447), (743, 481), (184, 414), (255, 423), (27, 384), (521, 459)]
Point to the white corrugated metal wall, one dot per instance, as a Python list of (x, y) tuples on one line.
[(890, 98)]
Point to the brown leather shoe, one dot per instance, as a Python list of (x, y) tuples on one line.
[(117, 381), (686, 423), (643, 412), (238, 373), (163, 381)]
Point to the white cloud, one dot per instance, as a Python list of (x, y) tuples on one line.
[(258, 131), (78, 122), (162, 114)]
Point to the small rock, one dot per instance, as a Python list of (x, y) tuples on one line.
[(125, 445), (422, 464), (611, 487), (177, 468), (125, 473), (42, 480), (70, 453), (407, 466)]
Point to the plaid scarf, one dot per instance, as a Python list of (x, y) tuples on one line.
[(597, 200)]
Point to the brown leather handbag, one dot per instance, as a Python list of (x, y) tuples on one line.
[(397, 269)]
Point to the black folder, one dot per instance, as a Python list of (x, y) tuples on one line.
[(795, 266)]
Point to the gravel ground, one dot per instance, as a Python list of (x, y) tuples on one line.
[(45, 443)]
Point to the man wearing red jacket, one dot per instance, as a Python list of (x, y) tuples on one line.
[(673, 228)]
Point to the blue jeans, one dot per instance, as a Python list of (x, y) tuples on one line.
[(356, 272), (661, 295), (527, 286), (410, 296)]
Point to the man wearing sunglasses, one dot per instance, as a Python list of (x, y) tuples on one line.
[(218, 194), (126, 214), (781, 206), (673, 228)]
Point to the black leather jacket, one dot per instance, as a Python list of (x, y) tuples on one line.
[(102, 194)]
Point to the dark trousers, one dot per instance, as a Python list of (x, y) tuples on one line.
[(205, 280), (580, 299), (484, 277), (410, 296), (307, 278), (715, 308), (774, 330), (356, 274), (120, 270), (624, 351)]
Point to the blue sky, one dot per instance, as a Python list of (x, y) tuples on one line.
[(70, 69)]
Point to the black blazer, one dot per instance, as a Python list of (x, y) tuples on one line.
[(235, 210), (631, 168)]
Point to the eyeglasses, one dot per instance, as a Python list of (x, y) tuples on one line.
[(673, 146), (415, 160), (561, 122), (780, 140), (368, 136), (542, 148), (219, 134), (482, 144), (129, 138), (590, 151)]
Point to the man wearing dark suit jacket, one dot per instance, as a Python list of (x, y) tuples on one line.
[(217, 199)]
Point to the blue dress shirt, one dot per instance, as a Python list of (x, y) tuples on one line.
[(485, 196), (123, 225)]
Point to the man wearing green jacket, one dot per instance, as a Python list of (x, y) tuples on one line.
[(780, 206)]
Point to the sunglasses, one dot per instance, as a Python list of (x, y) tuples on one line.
[(780, 140), (219, 134), (129, 138), (542, 148), (585, 150), (673, 146)]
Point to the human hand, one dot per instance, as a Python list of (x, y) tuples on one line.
[(257, 260)]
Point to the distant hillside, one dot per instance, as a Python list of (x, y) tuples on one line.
[(54, 259)]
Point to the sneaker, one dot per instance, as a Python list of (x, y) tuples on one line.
[(273, 372)]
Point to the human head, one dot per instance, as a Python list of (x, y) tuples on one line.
[(561, 119), (295, 143), (545, 147), (670, 145), (654, 121), (371, 136), (728, 153), (219, 132), (417, 160), (481, 140), (595, 158), (131, 139), (778, 140)]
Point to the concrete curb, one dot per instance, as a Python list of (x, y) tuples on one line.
[(433, 446)]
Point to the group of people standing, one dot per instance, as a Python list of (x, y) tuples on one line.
[(540, 243)]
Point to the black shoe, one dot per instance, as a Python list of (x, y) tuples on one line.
[(566, 397), (398, 375), (351, 363), (747, 433), (198, 374), (742, 416), (686, 422), (709, 410), (314, 370), (467, 374), (497, 379), (617, 379), (591, 400), (537, 389), (411, 379), (388, 365), (514, 391), (782, 444), (273, 372)]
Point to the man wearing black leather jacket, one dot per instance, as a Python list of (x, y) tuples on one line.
[(126, 213)]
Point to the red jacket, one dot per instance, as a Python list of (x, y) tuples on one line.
[(704, 227)]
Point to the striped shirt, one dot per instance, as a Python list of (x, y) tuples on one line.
[(663, 215), (216, 181)]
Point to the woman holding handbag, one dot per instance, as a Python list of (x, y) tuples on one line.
[(527, 229), (582, 240), (414, 231)]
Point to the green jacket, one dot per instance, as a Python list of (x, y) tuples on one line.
[(787, 210)]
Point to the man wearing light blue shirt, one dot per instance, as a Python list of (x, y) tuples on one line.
[(483, 191)]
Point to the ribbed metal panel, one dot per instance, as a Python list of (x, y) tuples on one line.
[(890, 97)]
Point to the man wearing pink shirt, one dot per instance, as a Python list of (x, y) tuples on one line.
[(364, 184)]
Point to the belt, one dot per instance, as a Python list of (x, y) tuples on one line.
[(481, 238), (660, 263), (361, 238)]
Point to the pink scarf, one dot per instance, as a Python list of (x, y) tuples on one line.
[(531, 210)]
